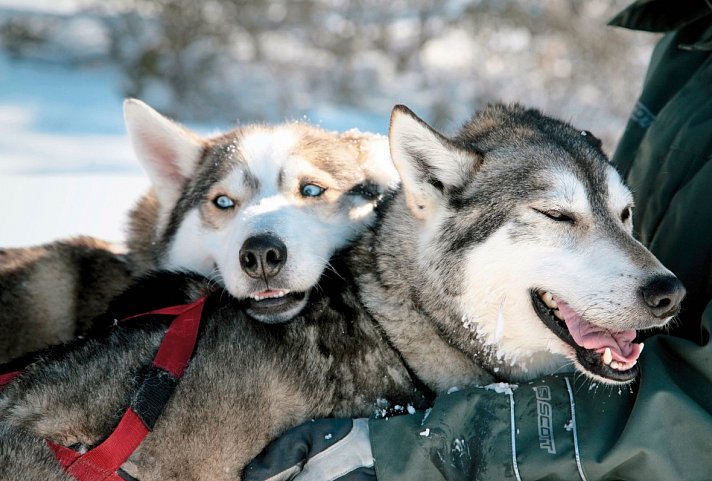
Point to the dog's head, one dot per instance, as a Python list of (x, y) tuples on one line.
[(260, 209), (526, 226)]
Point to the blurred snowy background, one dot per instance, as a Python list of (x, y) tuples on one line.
[(65, 65)]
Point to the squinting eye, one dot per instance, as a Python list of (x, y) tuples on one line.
[(223, 202), (312, 190), (557, 215)]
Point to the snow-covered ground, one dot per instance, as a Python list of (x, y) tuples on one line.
[(66, 167)]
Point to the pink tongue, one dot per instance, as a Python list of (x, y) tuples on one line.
[(589, 336)]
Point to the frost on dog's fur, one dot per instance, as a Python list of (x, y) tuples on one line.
[(259, 173)]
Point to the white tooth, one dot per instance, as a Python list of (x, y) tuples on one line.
[(548, 299), (558, 314), (616, 365), (641, 347), (607, 356)]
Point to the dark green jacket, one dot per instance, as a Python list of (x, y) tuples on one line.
[(566, 428), (665, 153)]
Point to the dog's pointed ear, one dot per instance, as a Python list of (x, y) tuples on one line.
[(167, 151), (428, 162)]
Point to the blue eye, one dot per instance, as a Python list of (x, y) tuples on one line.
[(312, 190), (223, 202)]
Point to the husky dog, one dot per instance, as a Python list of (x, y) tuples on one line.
[(50, 293), (512, 245), (259, 210), (506, 254)]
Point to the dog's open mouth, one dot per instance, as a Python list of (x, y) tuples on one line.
[(609, 354), (273, 306)]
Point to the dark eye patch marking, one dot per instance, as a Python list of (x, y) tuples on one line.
[(368, 190)]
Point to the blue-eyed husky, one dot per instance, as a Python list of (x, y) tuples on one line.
[(259, 210)]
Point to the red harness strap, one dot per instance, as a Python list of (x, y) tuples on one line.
[(7, 377), (103, 462)]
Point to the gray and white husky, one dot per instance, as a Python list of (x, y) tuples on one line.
[(506, 254), (259, 210), (516, 250)]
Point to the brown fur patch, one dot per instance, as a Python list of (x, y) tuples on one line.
[(142, 241), (50, 293)]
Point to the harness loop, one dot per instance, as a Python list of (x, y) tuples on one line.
[(103, 462)]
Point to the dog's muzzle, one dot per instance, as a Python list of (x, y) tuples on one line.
[(608, 354)]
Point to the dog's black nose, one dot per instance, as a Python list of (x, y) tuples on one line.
[(262, 256), (663, 295)]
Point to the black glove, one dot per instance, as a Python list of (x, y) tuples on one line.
[(319, 450)]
